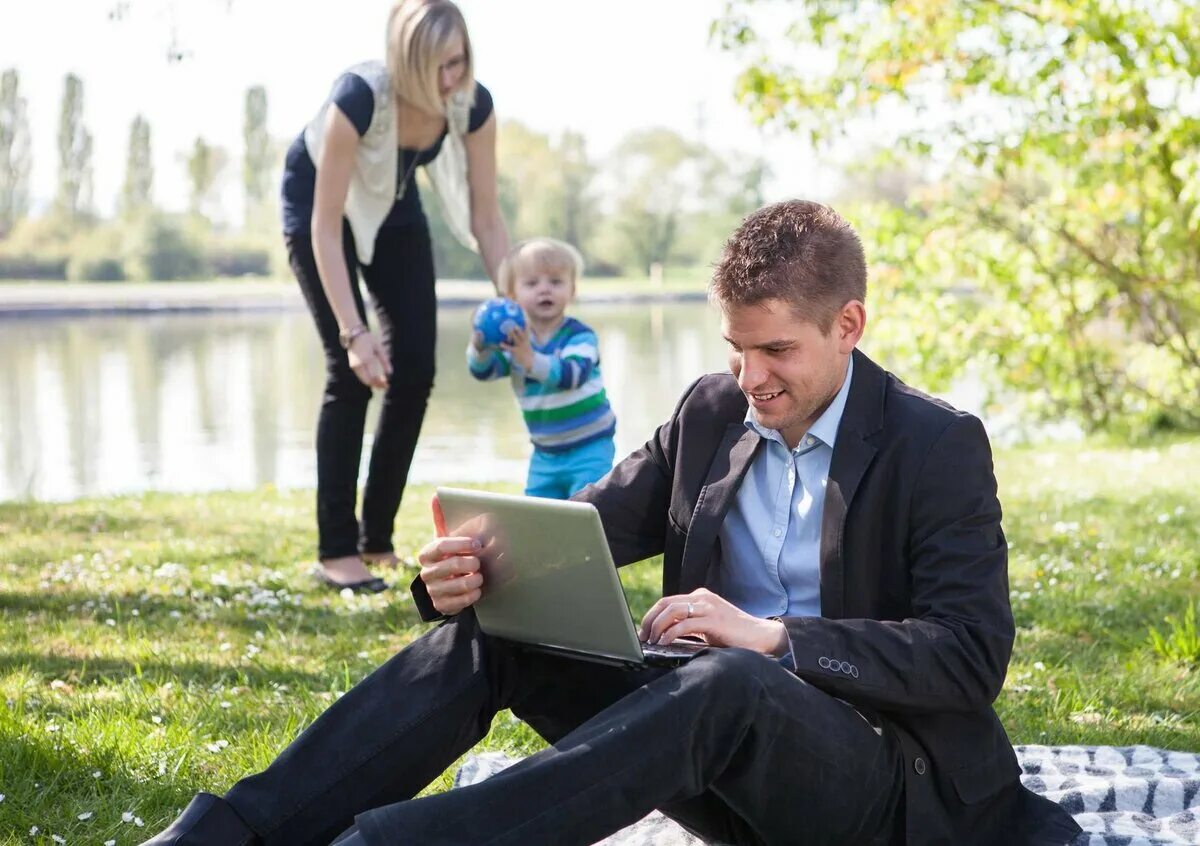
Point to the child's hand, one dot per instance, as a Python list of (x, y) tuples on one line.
[(519, 346), (477, 341)]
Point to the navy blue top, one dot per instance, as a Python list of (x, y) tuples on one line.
[(354, 97)]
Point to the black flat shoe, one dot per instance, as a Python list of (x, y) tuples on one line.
[(372, 585)]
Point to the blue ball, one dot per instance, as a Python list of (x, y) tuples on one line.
[(495, 318)]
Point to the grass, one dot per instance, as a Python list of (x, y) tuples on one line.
[(158, 645)]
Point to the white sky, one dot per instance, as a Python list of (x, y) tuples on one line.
[(603, 68)]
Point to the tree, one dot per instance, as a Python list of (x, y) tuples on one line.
[(204, 166), (548, 184), (74, 154), (15, 158), (659, 176), (579, 212), (257, 160), (1066, 136), (136, 196)]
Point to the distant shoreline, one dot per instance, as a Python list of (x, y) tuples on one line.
[(55, 299)]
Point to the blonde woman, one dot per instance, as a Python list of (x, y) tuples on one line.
[(351, 205)]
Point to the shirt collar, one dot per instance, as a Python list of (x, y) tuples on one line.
[(825, 428)]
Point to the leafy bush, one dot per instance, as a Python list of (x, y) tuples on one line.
[(96, 256), (32, 267), (161, 249), (239, 260), (35, 249)]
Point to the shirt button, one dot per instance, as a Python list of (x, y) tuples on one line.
[(778, 532), (919, 766), (808, 441)]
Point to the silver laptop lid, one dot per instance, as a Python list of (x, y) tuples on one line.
[(548, 576)]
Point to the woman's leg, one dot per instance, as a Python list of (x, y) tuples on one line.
[(401, 281), (343, 407)]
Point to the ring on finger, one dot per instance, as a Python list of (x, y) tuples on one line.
[(691, 609)]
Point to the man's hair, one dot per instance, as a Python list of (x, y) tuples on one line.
[(546, 254), (417, 34), (799, 252)]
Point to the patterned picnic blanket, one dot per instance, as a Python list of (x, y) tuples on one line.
[(1119, 795)]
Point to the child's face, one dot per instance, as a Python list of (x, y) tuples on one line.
[(543, 292)]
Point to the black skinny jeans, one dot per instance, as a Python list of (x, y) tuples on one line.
[(400, 279)]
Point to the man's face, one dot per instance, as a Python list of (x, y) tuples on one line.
[(786, 366)]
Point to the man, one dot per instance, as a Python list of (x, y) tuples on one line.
[(834, 536)]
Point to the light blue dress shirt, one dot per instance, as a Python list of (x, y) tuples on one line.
[(771, 537)]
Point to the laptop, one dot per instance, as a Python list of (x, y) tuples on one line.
[(549, 581)]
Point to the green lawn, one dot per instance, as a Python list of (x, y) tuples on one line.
[(154, 646)]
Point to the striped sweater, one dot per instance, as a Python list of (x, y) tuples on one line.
[(562, 396)]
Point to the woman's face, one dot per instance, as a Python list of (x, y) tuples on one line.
[(452, 66)]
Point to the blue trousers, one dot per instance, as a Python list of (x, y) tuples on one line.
[(559, 475)]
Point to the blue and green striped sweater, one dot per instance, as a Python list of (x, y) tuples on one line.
[(562, 396)]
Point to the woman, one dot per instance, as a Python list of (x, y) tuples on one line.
[(350, 202)]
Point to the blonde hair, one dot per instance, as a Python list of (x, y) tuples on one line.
[(543, 254), (417, 34)]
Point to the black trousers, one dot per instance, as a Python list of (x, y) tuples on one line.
[(400, 279), (731, 744)]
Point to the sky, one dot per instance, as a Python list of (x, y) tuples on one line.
[(601, 68)]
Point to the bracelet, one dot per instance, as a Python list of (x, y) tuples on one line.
[(346, 336)]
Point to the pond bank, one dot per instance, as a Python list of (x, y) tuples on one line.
[(58, 299)]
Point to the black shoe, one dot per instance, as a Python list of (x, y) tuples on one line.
[(207, 821), (372, 585)]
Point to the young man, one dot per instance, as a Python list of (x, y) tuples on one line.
[(835, 537)]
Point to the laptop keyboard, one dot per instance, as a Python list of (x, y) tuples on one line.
[(679, 650)]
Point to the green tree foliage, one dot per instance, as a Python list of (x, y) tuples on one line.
[(15, 158), (257, 162), (577, 200), (548, 184), (74, 154), (204, 166), (675, 200), (162, 248), (136, 196), (1059, 244)]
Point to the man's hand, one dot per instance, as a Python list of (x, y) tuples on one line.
[(703, 614), (451, 574)]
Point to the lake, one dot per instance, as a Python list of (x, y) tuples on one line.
[(211, 401), (191, 402)]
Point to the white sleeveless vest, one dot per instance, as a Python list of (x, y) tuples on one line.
[(373, 181)]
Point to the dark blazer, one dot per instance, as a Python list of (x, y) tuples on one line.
[(915, 626), (914, 582)]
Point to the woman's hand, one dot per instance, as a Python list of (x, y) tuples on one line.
[(369, 360)]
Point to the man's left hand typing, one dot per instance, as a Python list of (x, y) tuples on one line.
[(717, 622)]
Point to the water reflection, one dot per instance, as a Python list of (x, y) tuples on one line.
[(121, 404)]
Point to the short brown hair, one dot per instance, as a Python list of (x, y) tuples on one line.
[(797, 251)]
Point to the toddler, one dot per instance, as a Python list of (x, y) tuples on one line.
[(554, 366)]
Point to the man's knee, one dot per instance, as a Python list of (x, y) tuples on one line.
[(721, 670)]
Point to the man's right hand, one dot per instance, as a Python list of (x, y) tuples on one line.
[(451, 574)]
